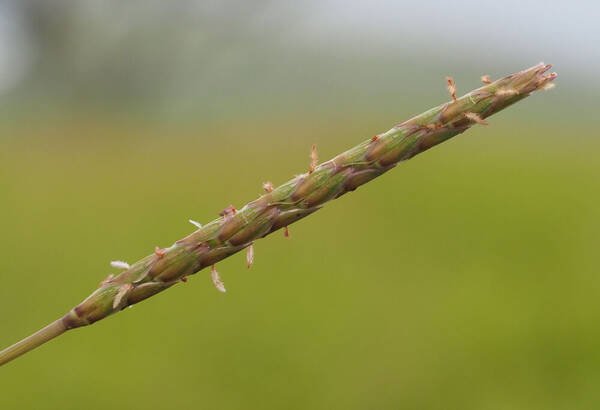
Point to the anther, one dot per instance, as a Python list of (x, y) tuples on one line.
[(506, 91), (451, 87), (250, 255), (119, 265), (159, 252), (196, 224), (286, 232), (230, 210), (216, 280), (268, 186), (314, 159), (548, 86), (486, 79)]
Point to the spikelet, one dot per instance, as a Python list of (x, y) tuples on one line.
[(123, 289), (106, 280)]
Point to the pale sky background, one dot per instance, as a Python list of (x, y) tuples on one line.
[(566, 31), (143, 46)]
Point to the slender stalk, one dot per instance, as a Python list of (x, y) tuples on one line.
[(279, 207), (40, 337)]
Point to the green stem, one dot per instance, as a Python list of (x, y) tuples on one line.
[(40, 337)]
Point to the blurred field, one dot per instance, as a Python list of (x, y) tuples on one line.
[(465, 278)]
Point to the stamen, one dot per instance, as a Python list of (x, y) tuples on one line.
[(451, 87), (119, 265), (548, 86), (506, 91), (196, 224), (314, 159), (230, 210), (250, 255), (216, 280), (268, 186)]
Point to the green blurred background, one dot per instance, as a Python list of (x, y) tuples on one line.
[(464, 279)]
